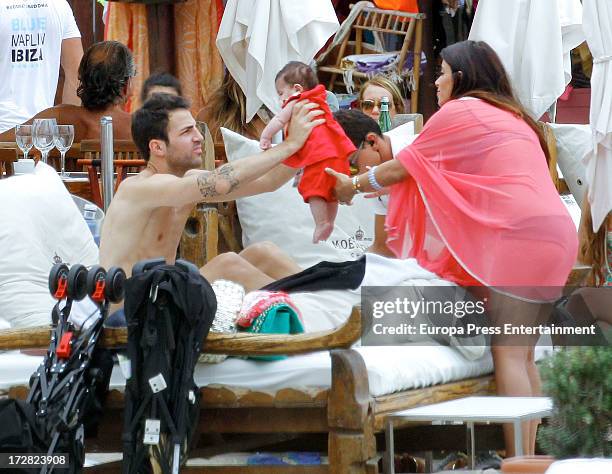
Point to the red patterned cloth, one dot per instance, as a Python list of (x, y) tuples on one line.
[(257, 302)]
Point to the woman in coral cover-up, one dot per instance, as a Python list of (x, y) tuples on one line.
[(327, 147), (471, 200)]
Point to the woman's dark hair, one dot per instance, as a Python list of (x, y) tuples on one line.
[(478, 72), (356, 125), (104, 72), (150, 122), (162, 79), (295, 72)]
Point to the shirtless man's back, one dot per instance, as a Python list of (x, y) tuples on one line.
[(105, 78)]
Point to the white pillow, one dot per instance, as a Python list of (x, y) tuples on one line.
[(41, 225), (573, 142), (282, 217)]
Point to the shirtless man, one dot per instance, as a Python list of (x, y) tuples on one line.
[(147, 215), (105, 84)]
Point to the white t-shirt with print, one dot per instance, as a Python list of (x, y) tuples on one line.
[(400, 137), (31, 35)]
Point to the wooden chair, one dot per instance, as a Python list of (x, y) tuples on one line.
[(200, 240), (126, 157), (407, 26), (401, 119), (8, 155)]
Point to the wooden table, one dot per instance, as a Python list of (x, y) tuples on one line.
[(8, 155), (78, 184), (471, 410)]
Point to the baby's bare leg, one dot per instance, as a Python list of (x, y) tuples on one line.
[(324, 223)]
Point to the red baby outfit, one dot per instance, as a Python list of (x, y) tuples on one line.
[(326, 147)]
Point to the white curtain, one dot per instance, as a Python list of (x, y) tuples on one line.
[(258, 37), (597, 23), (533, 38)]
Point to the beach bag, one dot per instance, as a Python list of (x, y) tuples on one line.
[(169, 311), (269, 312)]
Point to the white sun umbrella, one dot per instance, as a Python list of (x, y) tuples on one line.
[(597, 23), (258, 37), (533, 38)]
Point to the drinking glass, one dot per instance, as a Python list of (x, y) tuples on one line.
[(23, 137), (44, 132), (63, 142)]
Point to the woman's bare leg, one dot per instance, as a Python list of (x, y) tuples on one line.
[(271, 260), (231, 266), (536, 391), (516, 374), (256, 266), (512, 380)]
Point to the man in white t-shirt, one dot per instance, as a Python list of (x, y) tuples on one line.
[(374, 148), (36, 36)]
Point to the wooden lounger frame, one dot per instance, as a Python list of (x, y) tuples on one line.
[(345, 413)]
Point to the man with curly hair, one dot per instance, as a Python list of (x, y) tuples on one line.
[(105, 84)]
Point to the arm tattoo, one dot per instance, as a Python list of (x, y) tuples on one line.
[(218, 182)]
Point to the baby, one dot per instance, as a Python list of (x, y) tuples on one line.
[(326, 147)]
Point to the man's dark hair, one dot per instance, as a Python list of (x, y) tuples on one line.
[(296, 72), (162, 79), (356, 125), (151, 121), (104, 72)]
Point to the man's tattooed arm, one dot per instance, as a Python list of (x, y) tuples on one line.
[(218, 182)]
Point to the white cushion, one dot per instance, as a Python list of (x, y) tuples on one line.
[(572, 466), (573, 142), (41, 225), (282, 217)]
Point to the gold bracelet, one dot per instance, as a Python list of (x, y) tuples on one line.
[(356, 185)]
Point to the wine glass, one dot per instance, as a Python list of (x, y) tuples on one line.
[(23, 137), (44, 132), (63, 142)]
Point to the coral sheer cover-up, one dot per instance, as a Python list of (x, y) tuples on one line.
[(479, 207)]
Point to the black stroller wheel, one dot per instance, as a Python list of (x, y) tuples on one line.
[(77, 282), (58, 280), (96, 282), (115, 284)]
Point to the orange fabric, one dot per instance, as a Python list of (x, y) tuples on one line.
[(127, 23), (315, 182), (479, 198), (410, 6), (198, 63), (526, 464)]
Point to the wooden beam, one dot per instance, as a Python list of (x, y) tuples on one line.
[(160, 23), (428, 103), (216, 343)]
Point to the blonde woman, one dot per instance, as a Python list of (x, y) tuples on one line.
[(374, 90)]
